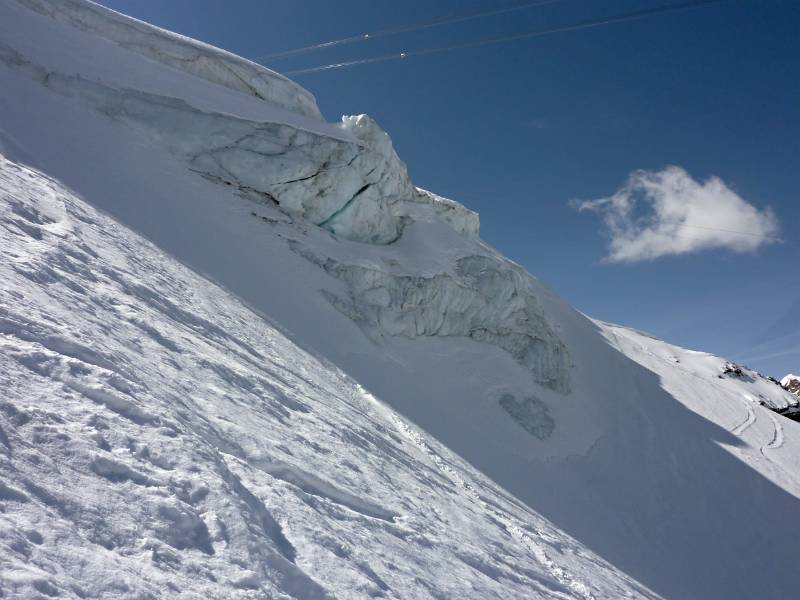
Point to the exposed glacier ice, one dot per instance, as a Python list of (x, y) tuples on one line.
[(531, 413), (359, 190), (484, 298)]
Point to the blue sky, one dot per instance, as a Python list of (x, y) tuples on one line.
[(519, 131)]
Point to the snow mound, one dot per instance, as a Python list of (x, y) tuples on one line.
[(460, 218)]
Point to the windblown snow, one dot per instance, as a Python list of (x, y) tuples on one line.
[(244, 356)]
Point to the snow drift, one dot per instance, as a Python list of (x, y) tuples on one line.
[(191, 412)]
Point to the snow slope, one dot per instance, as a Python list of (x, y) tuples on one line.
[(159, 438), (683, 481)]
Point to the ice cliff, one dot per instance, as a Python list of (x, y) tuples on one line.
[(482, 298), (351, 182), (348, 180)]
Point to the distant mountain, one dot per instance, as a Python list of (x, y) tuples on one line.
[(791, 383)]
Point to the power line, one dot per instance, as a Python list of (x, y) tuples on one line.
[(758, 235), (587, 24), (362, 37), (766, 238)]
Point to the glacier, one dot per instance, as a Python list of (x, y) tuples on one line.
[(245, 356), (357, 188)]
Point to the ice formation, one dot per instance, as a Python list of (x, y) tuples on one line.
[(484, 298), (354, 186)]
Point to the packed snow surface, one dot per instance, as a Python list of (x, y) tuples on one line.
[(245, 355), (157, 437)]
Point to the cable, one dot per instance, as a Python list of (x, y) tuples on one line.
[(587, 24), (768, 238), (758, 235), (405, 29)]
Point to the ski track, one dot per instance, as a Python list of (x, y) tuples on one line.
[(750, 420), (777, 437)]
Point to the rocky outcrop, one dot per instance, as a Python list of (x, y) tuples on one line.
[(791, 383)]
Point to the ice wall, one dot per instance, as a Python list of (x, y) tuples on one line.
[(485, 299), (352, 183)]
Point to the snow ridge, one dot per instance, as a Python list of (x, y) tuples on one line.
[(180, 52)]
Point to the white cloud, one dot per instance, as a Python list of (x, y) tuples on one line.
[(667, 212)]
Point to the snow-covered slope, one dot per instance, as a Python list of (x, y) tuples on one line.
[(159, 438), (671, 471)]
